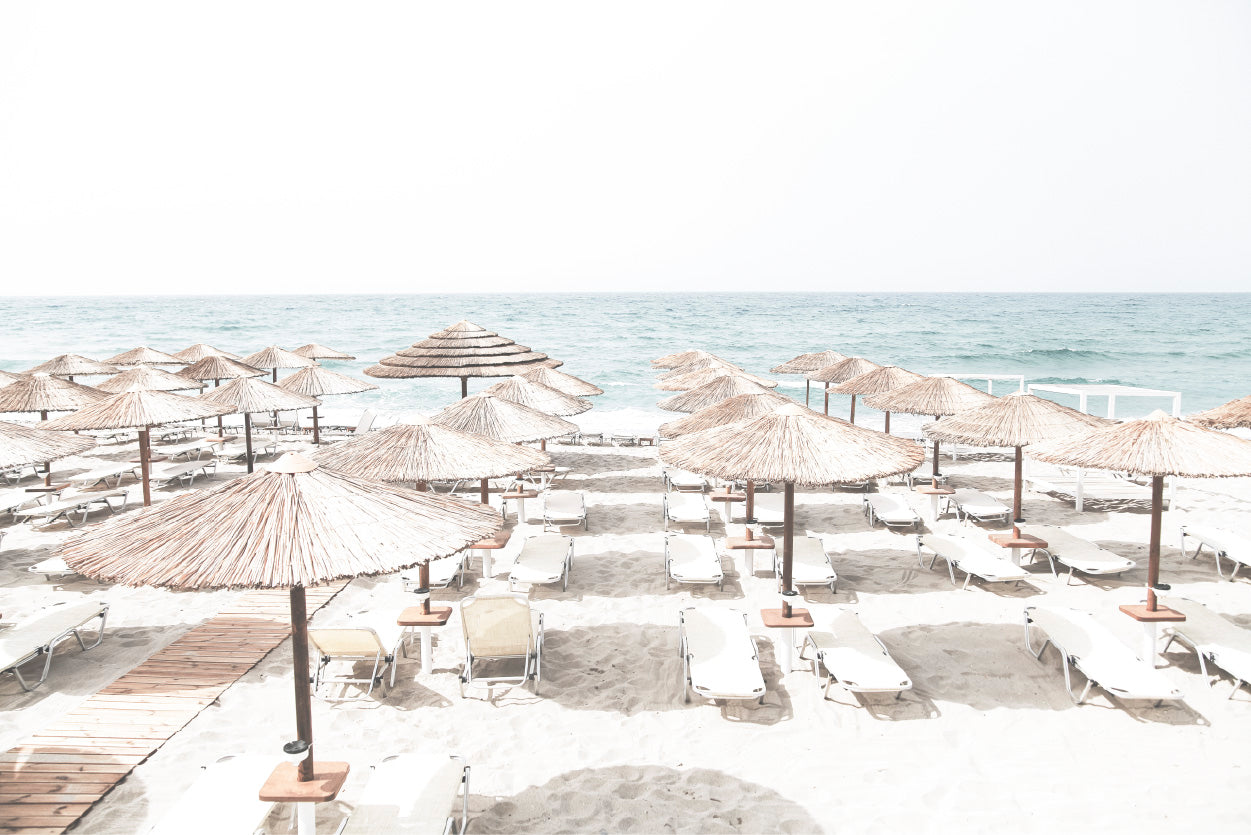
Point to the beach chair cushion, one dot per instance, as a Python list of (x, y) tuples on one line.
[(222, 799), (690, 558), (891, 509), (719, 655), (355, 643), (685, 509), (856, 658), (810, 564), (411, 793), (543, 559), (564, 506)]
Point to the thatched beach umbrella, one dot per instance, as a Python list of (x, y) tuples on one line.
[(273, 358), (463, 350), (694, 379), (698, 365), (538, 396), (711, 393), (937, 396), (138, 410), (292, 526), (200, 350), (313, 351), (1016, 420), (503, 420), (794, 445), (316, 381), (559, 380), (22, 445), (70, 366), (42, 393), (804, 363), (216, 367), (841, 372), (248, 395), (876, 381), (730, 410), (1158, 445), (1236, 414), (145, 356), (148, 378), (681, 358)]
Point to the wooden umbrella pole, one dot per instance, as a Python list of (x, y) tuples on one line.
[(1016, 495), (936, 458), (43, 415), (221, 430), (807, 389), (247, 438), (303, 695), (827, 398), (316, 432), (1153, 551), (423, 580), (853, 408), (145, 455), (749, 508), (887, 429), (543, 445), (464, 387), (788, 542), (275, 410), (484, 491)]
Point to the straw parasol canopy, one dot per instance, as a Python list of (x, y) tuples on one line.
[(682, 357), (503, 420), (145, 356), (314, 351), (316, 381), (730, 410), (22, 445), (794, 445), (695, 379), (200, 350), (218, 368), (463, 350), (698, 364), (562, 382), (73, 365), (711, 393), (804, 363), (937, 396), (247, 395), (43, 393), (538, 396), (273, 358), (148, 378), (1016, 420), (138, 410), (841, 372), (1157, 446), (294, 525), (881, 379), (1236, 414)]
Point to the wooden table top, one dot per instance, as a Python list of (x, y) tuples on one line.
[(413, 616), (725, 496), (521, 494), (931, 490), (1007, 540), (1163, 614), (284, 786), (742, 543), (494, 543), (800, 618)]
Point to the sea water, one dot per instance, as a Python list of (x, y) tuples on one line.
[(1197, 344)]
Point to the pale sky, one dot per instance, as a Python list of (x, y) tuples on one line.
[(175, 147)]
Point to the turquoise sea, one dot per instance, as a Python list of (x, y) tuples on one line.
[(1199, 344)]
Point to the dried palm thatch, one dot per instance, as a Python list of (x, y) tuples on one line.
[(711, 393), (503, 420), (1236, 414), (137, 410), (73, 365), (936, 396), (42, 393), (682, 357), (730, 410), (427, 451), (877, 380), (145, 356), (562, 382), (804, 363), (537, 396), (695, 379), (22, 445), (148, 378), (463, 350), (214, 367), (250, 395), (697, 365), (316, 381), (273, 358), (7, 377), (314, 351), (200, 350), (1016, 419), (842, 371)]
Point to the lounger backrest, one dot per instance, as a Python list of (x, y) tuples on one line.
[(366, 422), (686, 505), (497, 625), (222, 799), (408, 793), (1206, 627), (565, 502), (945, 546), (810, 551), (344, 642), (690, 549)]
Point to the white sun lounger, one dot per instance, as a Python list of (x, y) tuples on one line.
[(71, 503), (676, 479), (1224, 643), (352, 644), (891, 509), (719, 659), (685, 509), (222, 799), (17, 498), (690, 558), (810, 564), (442, 572), (973, 504), (410, 794), (53, 568), (28, 641), (1075, 553), (499, 627), (103, 474), (1100, 656), (342, 433), (543, 559), (178, 450), (855, 658), (183, 473), (565, 507), (769, 509), (970, 557), (1222, 543)]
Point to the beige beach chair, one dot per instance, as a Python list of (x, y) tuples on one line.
[(970, 557), (543, 559), (564, 507), (27, 641), (976, 505), (410, 794), (1222, 543), (352, 644), (685, 509), (1075, 553), (855, 658), (692, 559), (810, 564), (1212, 637), (222, 799), (1099, 655), (719, 659), (891, 509), (498, 627)]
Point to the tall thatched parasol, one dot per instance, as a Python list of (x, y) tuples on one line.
[(314, 351), (293, 526), (200, 350), (148, 378), (463, 350), (876, 381), (503, 420), (273, 358), (559, 380), (698, 365), (794, 445), (22, 445), (145, 356), (316, 381), (841, 372), (42, 393), (247, 395), (937, 396), (138, 410), (538, 396), (804, 363), (1236, 414), (695, 379), (1157, 446), (217, 368), (711, 393), (70, 366), (1016, 420), (681, 358)]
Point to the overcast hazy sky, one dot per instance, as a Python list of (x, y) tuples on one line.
[(364, 147)]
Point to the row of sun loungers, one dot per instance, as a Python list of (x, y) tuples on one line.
[(39, 638), (72, 503)]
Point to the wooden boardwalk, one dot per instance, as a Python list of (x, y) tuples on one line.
[(50, 781)]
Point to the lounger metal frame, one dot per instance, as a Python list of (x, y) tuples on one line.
[(818, 661), (533, 668), (1217, 552), (872, 516), (49, 647), (382, 658), (963, 515)]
